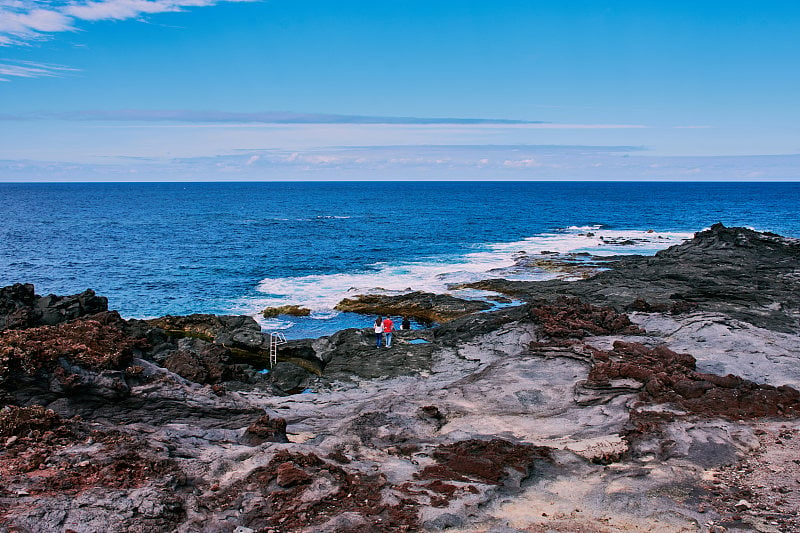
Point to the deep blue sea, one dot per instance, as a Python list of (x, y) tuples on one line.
[(180, 248)]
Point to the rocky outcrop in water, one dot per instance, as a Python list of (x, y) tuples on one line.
[(742, 273), (292, 310), (644, 400), (423, 306)]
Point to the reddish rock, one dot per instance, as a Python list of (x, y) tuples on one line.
[(55, 448), (19, 421), (187, 365), (281, 485), (671, 377), (571, 318), (267, 429), (204, 363), (483, 461), (441, 487), (94, 343), (289, 475)]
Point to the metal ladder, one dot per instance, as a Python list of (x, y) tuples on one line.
[(275, 339)]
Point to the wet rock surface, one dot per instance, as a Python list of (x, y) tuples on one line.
[(640, 399)]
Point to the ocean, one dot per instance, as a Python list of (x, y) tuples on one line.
[(234, 248)]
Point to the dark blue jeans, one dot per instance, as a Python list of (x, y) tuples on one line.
[(378, 337)]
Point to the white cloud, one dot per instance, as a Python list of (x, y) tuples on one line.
[(412, 162), (22, 21), (217, 118), (29, 23), (27, 69), (521, 163)]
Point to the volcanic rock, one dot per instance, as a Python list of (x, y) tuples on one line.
[(86, 355), (293, 310), (21, 308), (747, 275), (267, 429), (423, 306)]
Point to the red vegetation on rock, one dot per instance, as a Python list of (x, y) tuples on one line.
[(570, 317), (19, 421), (46, 455), (483, 461), (672, 377), (296, 492), (95, 343), (289, 475)]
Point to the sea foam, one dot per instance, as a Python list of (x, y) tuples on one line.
[(441, 274)]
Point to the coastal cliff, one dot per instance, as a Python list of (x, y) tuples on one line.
[(658, 395)]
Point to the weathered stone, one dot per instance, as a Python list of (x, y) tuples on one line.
[(267, 429), (419, 436), (21, 308), (426, 307), (292, 310), (289, 377)]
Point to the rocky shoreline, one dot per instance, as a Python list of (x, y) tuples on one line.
[(659, 395)]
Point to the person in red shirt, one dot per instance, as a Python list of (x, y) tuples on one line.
[(388, 328)]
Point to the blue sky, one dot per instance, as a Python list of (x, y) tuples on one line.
[(391, 89)]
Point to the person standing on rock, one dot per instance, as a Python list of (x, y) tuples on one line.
[(388, 328), (378, 326), (406, 323)]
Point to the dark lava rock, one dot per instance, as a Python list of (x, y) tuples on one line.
[(423, 306), (200, 361), (289, 378), (301, 353), (748, 275), (208, 327), (241, 336), (21, 307), (352, 355)]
